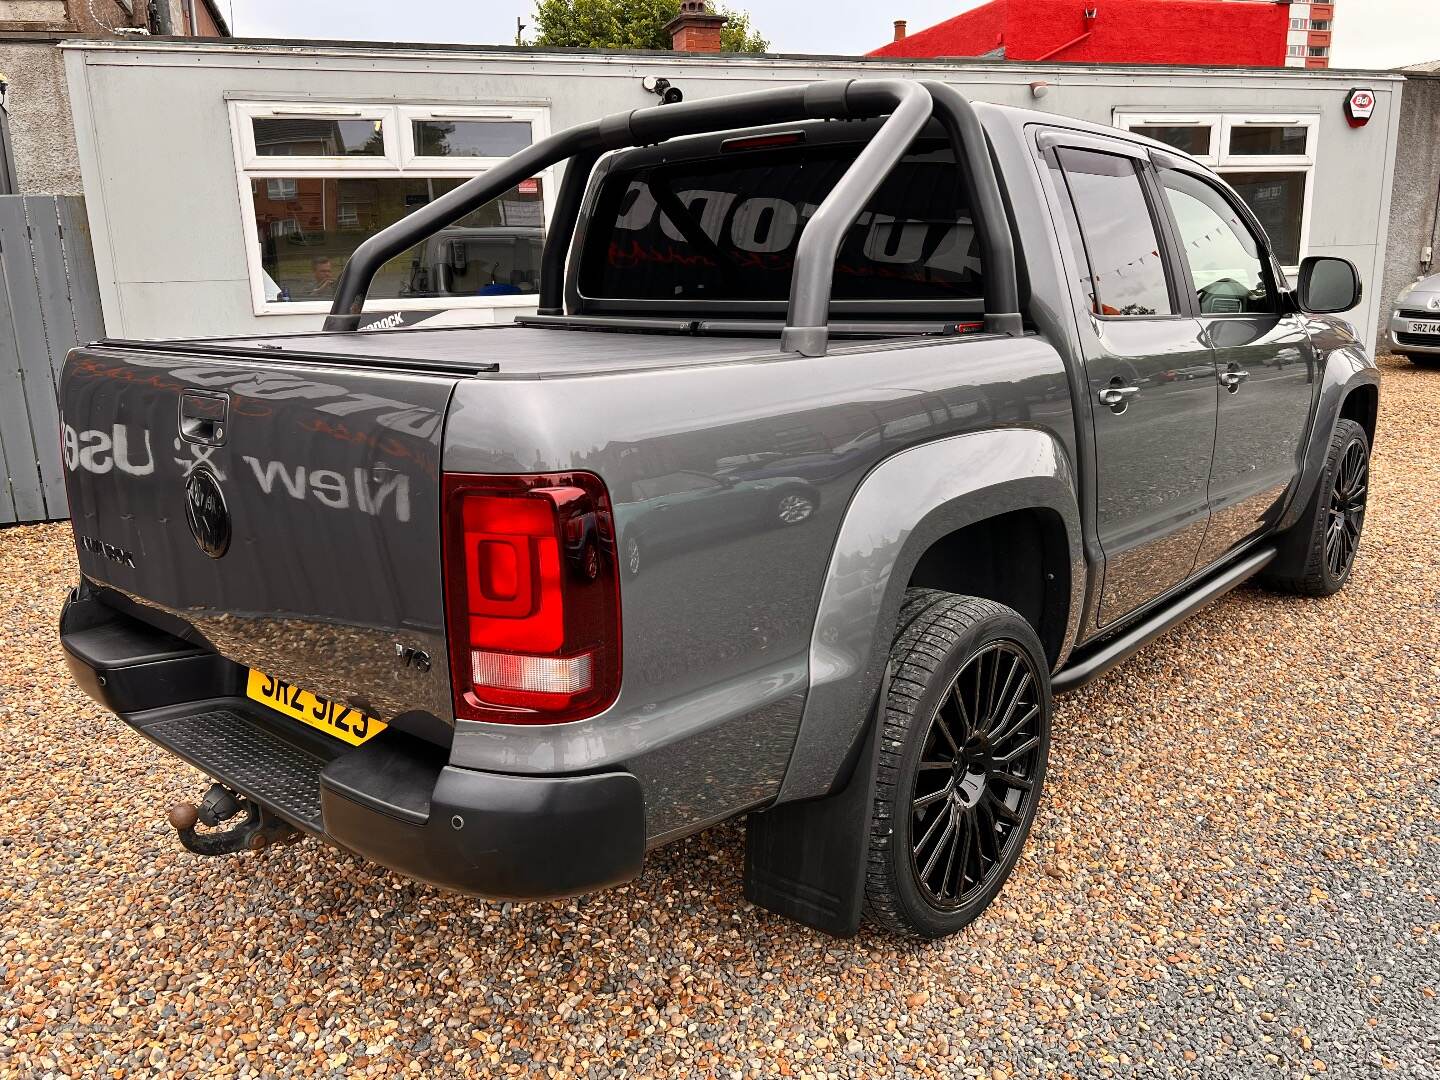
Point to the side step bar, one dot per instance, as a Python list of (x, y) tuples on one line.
[(1091, 664)]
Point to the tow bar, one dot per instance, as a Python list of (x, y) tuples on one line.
[(254, 831)]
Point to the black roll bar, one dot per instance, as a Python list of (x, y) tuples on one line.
[(908, 104), (1001, 281)]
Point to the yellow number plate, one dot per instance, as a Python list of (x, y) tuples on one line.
[(341, 721)]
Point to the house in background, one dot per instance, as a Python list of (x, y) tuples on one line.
[(1231, 33), (37, 137)]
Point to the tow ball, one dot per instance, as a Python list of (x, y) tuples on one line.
[(256, 829)]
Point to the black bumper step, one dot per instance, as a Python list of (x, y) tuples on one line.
[(395, 799), (252, 759)]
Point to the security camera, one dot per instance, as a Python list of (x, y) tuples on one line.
[(661, 88)]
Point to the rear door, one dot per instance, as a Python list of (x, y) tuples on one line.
[(1148, 368), (286, 511), (1266, 366)]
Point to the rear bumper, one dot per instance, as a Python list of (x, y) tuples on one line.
[(395, 800)]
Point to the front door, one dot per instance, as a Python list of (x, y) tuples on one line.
[(1266, 366), (1150, 375)]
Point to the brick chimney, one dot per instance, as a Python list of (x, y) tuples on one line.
[(695, 29), (899, 29)]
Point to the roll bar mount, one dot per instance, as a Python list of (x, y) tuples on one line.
[(907, 106)]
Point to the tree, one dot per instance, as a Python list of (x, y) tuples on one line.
[(630, 24)]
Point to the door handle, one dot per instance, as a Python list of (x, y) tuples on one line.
[(203, 414), (1117, 397), (1232, 379)]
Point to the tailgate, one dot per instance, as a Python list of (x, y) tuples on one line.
[(288, 513)]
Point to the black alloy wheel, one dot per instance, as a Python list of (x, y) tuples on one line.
[(960, 765), (976, 775), (1347, 509)]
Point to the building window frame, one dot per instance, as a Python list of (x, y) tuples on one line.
[(1223, 162), (537, 118), (399, 161)]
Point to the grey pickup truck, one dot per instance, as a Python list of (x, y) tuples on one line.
[(856, 421)]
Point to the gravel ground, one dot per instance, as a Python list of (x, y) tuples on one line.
[(1235, 873)]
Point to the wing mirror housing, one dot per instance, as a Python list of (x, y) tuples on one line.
[(1328, 285)]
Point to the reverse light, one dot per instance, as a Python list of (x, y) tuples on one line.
[(532, 597)]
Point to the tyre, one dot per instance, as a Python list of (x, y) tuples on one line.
[(632, 554), (794, 507), (1317, 553), (964, 746)]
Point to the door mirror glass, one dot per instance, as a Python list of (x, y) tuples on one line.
[(1328, 285)]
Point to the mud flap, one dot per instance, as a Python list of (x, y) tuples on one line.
[(806, 860)]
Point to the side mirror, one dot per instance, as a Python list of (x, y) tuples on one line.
[(1328, 285)]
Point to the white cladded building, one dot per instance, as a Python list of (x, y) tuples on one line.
[(227, 181)]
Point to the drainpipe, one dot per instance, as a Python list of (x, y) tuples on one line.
[(9, 183), (1091, 15)]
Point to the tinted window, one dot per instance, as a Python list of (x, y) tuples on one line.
[(1127, 267), (299, 137), (310, 226), (470, 138), (1257, 139), (1225, 260), (726, 229), (1192, 138)]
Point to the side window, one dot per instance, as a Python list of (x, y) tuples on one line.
[(1077, 243), (1127, 269), (1226, 261)]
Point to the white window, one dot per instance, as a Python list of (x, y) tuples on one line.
[(1296, 50), (316, 180), (1320, 24), (1299, 24), (1319, 50), (1267, 158)]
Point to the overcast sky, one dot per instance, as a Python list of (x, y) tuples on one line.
[(1368, 33)]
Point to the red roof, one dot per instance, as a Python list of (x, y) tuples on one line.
[(1209, 32)]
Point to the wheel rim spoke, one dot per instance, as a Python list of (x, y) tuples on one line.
[(935, 796), (1011, 780), (1024, 748), (1000, 738), (940, 844), (944, 729), (1000, 809)]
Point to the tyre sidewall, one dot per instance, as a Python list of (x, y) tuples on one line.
[(929, 920)]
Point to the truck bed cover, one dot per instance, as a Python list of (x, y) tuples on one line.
[(519, 351)]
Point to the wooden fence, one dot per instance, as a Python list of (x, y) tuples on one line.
[(49, 302)]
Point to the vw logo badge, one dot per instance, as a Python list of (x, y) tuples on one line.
[(206, 513)]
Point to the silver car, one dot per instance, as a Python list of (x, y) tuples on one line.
[(1415, 326)]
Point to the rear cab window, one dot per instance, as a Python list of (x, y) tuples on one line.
[(725, 228)]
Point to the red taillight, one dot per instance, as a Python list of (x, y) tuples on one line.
[(532, 597)]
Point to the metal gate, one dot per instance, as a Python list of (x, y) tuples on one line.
[(49, 302)]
